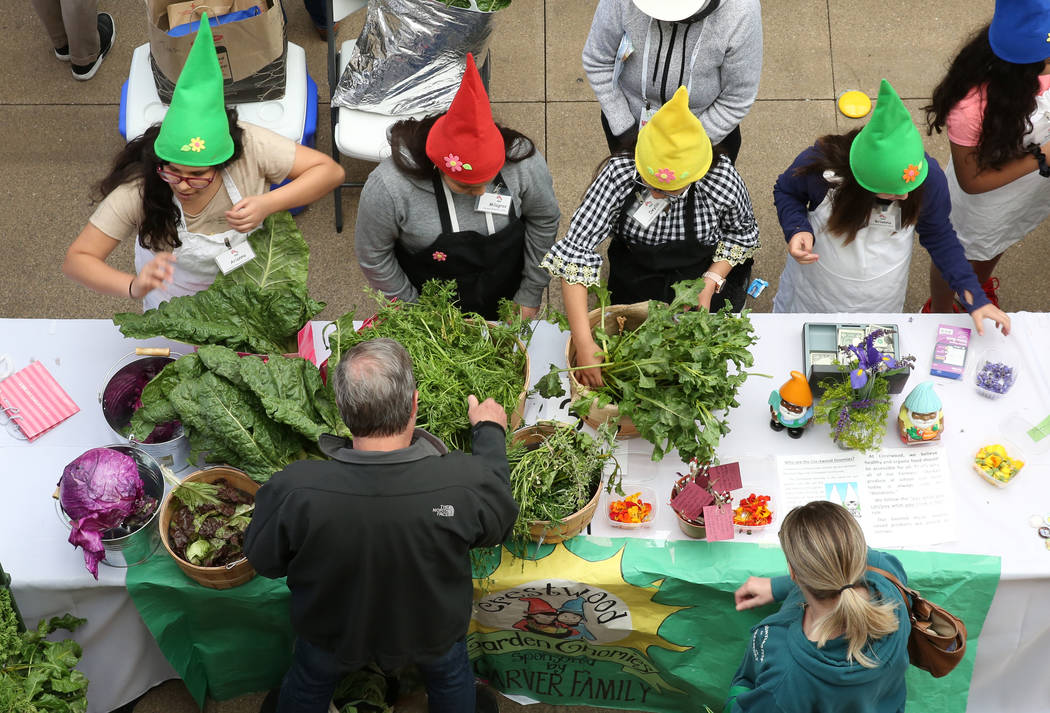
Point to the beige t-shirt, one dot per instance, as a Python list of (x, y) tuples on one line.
[(267, 158)]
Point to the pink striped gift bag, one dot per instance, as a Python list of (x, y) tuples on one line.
[(34, 400)]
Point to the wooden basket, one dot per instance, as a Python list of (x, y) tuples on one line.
[(230, 575), (618, 319), (546, 531)]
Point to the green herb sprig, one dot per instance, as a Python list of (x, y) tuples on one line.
[(681, 366)]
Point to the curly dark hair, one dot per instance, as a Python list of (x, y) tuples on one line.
[(1010, 92), (160, 215), (851, 203), (408, 142)]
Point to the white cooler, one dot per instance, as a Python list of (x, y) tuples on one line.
[(294, 116)]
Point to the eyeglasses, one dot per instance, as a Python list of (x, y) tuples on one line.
[(191, 181)]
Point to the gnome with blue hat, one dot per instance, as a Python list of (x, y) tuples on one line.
[(921, 419), (571, 616)]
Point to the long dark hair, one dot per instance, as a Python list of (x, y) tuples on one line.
[(160, 215), (1010, 92), (851, 204), (408, 142)]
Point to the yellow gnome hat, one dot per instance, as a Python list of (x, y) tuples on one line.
[(796, 390), (673, 149)]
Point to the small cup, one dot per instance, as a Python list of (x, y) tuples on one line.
[(996, 373), (648, 495)]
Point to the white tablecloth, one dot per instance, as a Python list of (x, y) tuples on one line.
[(122, 660)]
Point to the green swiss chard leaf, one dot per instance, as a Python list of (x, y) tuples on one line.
[(156, 408), (281, 256)]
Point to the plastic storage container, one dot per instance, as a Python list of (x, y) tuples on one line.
[(647, 495), (996, 373)]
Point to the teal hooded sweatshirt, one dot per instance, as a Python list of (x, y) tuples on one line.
[(784, 672)]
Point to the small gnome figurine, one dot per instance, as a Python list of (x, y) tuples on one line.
[(792, 406), (921, 419)]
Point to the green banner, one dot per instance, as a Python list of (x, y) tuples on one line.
[(650, 624)]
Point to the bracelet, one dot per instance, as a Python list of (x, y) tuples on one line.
[(129, 287), (1044, 169)]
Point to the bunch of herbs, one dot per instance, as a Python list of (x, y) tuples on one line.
[(37, 675), (682, 365), (556, 477), (454, 354)]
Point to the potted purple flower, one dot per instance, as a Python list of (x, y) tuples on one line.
[(857, 405)]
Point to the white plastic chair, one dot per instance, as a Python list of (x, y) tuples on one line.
[(357, 134)]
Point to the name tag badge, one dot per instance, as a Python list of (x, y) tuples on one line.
[(233, 258), (647, 113), (494, 203), (886, 217), (650, 209)]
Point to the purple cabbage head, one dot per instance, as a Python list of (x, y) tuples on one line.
[(97, 491)]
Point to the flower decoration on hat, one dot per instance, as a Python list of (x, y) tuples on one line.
[(196, 145), (439, 256), (665, 175), (910, 173), (468, 125), (673, 149), (887, 142)]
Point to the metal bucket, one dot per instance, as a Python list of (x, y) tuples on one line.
[(117, 411), (136, 548)]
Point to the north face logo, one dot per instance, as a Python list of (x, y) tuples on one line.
[(445, 511)]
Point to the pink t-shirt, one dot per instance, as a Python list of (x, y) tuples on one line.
[(966, 118)]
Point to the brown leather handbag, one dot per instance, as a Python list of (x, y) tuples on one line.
[(937, 642)]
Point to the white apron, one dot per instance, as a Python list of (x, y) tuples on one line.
[(195, 267), (989, 223), (868, 275)]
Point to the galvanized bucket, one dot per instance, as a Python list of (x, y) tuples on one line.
[(117, 411), (134, 548)]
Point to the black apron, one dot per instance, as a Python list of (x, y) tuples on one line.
[(639, 272), (486, 268)]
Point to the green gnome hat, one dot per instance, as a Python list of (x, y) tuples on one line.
[(887, 155), (195, 131), (923, 399)]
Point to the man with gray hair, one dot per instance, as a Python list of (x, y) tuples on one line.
[(375, 542)]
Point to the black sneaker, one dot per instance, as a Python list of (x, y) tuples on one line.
[(107, 33), (62, 53)]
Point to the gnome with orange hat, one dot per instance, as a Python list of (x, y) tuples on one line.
[(460, 199), (677, 210), (792, 406)]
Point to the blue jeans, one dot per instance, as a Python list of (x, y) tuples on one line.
[(310, 682)]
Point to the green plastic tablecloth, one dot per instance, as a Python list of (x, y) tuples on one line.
[(686, 642), (222, 642)]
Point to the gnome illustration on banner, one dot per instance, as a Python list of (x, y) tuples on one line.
[(792, 406), (921, 418)]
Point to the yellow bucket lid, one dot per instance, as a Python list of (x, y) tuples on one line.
[(854, 104)]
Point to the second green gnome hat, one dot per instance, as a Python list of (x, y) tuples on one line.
[(887, 155), (195, 131)]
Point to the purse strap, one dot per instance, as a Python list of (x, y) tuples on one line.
[(909, 594)]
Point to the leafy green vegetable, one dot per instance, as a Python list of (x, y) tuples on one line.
[(453, 355), (483, 5), (257, 308), (558, 476), (682, 365), (37, 675), (192, 493), (197, 551), (253, 414)]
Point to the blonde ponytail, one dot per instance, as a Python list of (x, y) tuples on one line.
[(825, 548)]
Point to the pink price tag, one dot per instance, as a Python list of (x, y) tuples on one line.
[(718, 522), (725, 477), (691, 500)]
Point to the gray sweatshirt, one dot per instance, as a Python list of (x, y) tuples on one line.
[(394, 207), (727, 45)]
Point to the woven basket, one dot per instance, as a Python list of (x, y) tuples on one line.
[(232, 574), (546, 531), (618, 319)]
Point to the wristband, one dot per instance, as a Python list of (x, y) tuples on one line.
[(129, 287), (715, 278), (1044, 169)]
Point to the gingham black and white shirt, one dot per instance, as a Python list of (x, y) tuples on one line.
[(724, 219)]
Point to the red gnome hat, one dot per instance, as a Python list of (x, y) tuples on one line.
[(465, 143), (537, 605)]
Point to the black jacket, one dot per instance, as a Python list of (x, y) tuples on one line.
[(375, 544)]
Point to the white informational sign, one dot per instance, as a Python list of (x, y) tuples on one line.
[(901, 497)]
